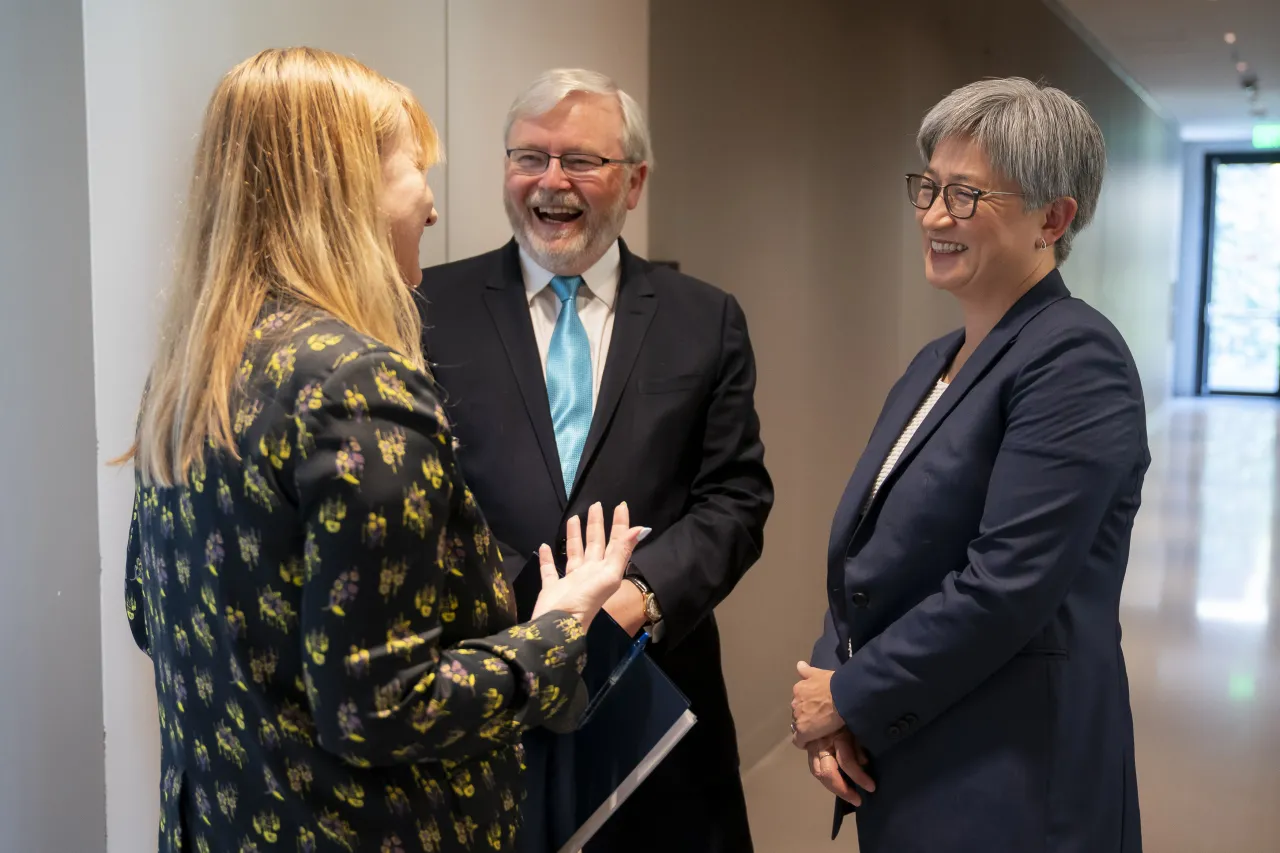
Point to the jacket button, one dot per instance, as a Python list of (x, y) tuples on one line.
[(859, 599), (895, 731), (910, 719)]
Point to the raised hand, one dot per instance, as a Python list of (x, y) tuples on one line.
[(594, 571)]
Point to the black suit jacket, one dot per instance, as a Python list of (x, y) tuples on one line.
[(973, 624), (675, 434)]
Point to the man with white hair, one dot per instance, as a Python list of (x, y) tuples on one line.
[(577, 372)]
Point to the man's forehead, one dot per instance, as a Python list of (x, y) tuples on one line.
[(583, 106), (582, 114)]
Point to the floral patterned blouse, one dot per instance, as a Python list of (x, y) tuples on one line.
[(337, 662)]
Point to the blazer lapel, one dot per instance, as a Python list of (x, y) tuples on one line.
[(636, 303), (1048, 291), (899, 409), (509, 306)]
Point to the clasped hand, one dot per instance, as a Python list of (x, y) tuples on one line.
[(818, 728)]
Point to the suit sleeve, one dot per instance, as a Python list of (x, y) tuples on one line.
[(1074, 437), (134, 598), (377, 490), (694, 564), (826, 652)]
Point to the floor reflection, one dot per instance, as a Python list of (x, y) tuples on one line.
[(1200, 610)]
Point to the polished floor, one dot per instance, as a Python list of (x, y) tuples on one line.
[(1201, 615)]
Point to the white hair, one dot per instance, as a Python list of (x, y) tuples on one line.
[(552, 87), (1037, 136)]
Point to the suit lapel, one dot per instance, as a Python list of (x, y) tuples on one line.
[(509, 306), (1048, 291), (636, 303), (900, 407)]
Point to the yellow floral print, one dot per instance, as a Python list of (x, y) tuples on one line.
[(314, 609), (319, 343)]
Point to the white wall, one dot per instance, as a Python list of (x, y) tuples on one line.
[(496, 48), (51, 785), (150, 68)]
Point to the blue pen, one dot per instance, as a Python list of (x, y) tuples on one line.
[(637, 648)]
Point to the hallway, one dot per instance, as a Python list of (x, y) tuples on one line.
[(1201, 616)]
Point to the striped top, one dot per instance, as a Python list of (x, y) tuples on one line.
[(900, 445)]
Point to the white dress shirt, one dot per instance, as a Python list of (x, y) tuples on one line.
[(596, 300)]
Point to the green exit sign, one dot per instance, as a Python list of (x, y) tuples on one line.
[(1266, 136)]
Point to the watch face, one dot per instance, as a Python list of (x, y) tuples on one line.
[(651, 609)]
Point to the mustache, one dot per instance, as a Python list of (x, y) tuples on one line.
[(556, 198)]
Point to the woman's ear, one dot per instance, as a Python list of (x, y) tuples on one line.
[(1058, 216)]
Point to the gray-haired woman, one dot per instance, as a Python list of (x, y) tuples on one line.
[(970, 663)]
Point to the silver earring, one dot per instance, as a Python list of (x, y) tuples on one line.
[(1042, 245)]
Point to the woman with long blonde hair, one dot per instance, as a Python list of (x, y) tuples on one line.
[(336, 655)]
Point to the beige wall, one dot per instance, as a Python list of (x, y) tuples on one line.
[(496, 48), (783, 133)]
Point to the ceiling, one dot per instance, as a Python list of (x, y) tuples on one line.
[(1176, 51)]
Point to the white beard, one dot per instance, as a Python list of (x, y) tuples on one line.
[(575, 255)]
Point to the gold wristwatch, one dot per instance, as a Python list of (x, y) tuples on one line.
[(652, 612)]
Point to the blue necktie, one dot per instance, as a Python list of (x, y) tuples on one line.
[(569, 379)]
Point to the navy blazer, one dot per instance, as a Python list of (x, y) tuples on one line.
[(974, 606)]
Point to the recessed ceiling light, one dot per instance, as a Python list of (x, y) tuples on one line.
[(1229, 38)]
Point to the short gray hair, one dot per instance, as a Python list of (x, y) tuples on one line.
[(1036, 136), (553, 86)]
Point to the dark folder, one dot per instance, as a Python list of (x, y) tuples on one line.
[(634, 718)]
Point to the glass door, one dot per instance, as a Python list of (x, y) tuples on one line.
[(1240, 324)]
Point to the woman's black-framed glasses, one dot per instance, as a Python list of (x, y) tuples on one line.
[(531, 161), (961, 200)]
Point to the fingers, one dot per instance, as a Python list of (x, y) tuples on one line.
[(815, 763), (547, 566), (846, 755), (595, 533), (622, 539), (621, 520), (617, 557), (616, 548), (803, 734), (828, 773), (803, 669), (573, 544), (804, 737)]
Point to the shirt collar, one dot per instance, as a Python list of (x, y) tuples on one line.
[(601, 279)]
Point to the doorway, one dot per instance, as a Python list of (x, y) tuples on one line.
[(1239, 347)]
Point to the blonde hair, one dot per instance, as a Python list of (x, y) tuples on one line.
[(283, 205)]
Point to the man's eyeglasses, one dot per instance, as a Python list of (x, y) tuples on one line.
[(961, 200), (531, 161)]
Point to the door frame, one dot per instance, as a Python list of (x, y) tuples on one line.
[(1211, 162)]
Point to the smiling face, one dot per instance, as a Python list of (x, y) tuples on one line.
[(999, 245), (566, 222)]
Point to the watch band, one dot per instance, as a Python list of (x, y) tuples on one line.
[(652, 611)]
